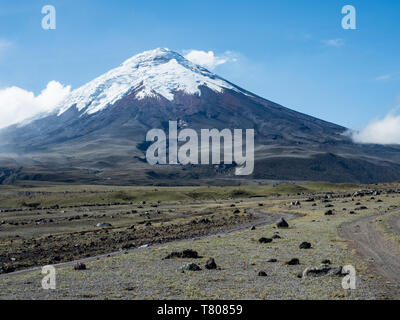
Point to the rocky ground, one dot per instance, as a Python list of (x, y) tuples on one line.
[(234, 248)]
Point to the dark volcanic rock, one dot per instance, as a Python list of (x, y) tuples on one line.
[(282, 223), (103, 225), (293, 262), (265, 240), (305, 245), (204, 220), (322, 271), (80, 266), (262, 274), (6, 269), (210, 264), (316, 271), (185, 254), (190, 267), (361, 208)]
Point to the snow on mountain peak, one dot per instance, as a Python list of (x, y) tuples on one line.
[(156, 73)]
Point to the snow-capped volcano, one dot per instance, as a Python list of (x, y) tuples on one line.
[(156, 73), (98, 133)]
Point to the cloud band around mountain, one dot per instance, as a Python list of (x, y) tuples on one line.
[(17, 104), (380, 131)]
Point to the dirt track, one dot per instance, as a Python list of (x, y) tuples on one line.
[(373, 246), (394, 223)]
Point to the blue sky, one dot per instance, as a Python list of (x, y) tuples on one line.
[(293, 52)]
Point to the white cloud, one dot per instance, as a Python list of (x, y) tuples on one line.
[(17, 104), (333, 42), (380, 131), (208, 59)]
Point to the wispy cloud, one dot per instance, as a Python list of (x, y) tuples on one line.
[(394, 76), (209, 59), (333, 42), (17, 105), (380, 131), (383, 77), (4, 44)]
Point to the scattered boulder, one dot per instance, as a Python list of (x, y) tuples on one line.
[(293, 262), (44, 221), (265, 240), (276, 236), (295, 203), (79, 266), (262, 274), (253, 228), (190, 267), (329, 213), (272, 260), (316, 271), (282, 223), (361, 208), (204, 220), (6, 269), (103, 225), (326, 261), (210, 264), (329, 206), (305, 245), (323, 270), (127, 246), (337, 271), (185, 254), (236, 211)]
